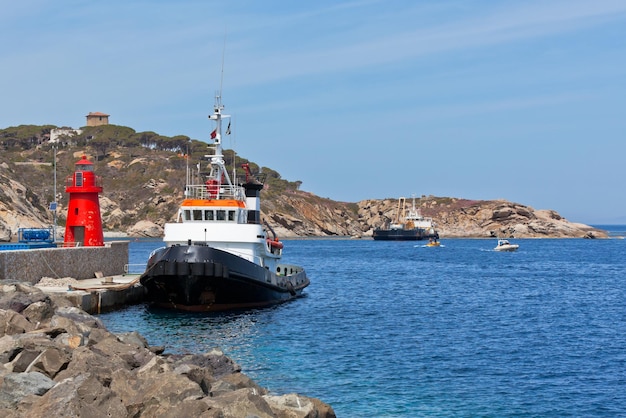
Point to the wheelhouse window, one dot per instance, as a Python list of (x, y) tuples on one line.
[(223, 215)]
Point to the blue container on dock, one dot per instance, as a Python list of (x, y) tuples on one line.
[(30, 239)]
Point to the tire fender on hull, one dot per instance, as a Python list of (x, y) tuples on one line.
[(292, 291)]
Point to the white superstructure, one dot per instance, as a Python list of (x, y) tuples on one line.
[(222, 214)]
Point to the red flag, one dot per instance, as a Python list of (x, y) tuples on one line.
[(214, 133)]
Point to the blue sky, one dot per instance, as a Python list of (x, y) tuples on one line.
[(516, 100)]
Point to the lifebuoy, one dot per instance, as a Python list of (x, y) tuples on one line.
[(275, 243)]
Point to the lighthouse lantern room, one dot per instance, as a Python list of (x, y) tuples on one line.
[(84, 224)]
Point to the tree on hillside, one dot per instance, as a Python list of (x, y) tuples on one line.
[(177, 144), (101, 145), (24, 137), (147, 139)]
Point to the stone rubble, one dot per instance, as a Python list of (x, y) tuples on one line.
[(57, 360)]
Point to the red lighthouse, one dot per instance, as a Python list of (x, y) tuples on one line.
[(84, 225)]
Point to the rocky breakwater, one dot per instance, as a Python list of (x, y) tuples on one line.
[(58, 360)]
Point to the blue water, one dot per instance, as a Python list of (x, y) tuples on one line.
[(395, 329)]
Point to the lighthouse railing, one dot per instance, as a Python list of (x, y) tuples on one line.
[(69, 182)]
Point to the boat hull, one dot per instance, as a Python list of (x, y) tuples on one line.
[(507, 248), (415, 234), (202, 278)]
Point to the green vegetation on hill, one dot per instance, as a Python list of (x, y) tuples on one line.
[(129, 162)]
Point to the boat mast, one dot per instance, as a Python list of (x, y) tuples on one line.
[(218, 167)]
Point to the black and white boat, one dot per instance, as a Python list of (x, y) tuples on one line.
[(218, 255), (409, 225)]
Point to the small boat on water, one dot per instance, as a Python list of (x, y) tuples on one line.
[(409, 225), (217, 255), (505, 245), (433, 242)]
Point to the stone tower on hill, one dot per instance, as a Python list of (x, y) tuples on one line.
[(97, 119)]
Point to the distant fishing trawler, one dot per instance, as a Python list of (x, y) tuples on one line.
[(409, 225), (218, 256)]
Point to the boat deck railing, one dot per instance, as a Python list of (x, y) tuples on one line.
[(224, 191), (134, 268)]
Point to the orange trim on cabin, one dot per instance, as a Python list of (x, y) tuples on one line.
[(206, 202)]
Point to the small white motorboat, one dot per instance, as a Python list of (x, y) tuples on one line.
[(505, 245)]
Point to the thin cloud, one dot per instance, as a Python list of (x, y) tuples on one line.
[(499, 27)]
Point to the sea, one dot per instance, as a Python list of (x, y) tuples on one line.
[(398, 329)]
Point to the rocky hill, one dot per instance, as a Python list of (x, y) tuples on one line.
[(302, 214), (143, 178)]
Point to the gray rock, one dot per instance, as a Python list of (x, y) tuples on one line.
[(133, 338), (38, 312), (9, 348), (235, 381), (23, 359), (16, 386), (215, 361), (50, 362), (293, 405), (79, 316), (12, 322), (79, 396), (242, 403), (17, 296)]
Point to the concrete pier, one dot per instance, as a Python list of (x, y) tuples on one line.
[(94, 279), (98, 294)]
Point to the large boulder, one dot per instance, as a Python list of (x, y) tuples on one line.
[(145, 229)]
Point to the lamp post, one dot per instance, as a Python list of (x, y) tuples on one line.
[(54, 205)]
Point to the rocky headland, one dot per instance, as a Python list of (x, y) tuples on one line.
[(57, 360), (463, 218)]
